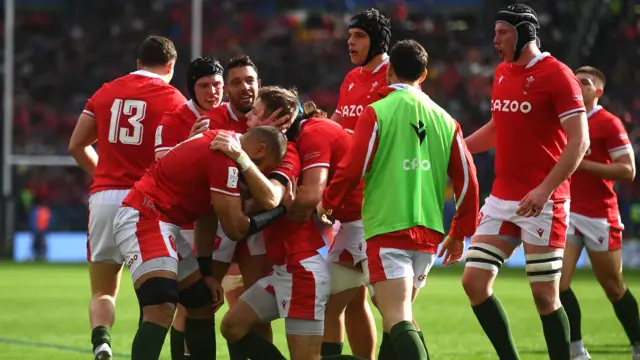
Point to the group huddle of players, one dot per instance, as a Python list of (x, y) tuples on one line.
[(203, 199)]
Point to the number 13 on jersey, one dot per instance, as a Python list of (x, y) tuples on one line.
[(134, 108)]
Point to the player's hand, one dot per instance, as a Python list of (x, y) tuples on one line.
[(452, 250), (274, 120), (217, 293), (349, 131), (532, 204), (227, 144), (323, 213), (201, 125), (290, 193)]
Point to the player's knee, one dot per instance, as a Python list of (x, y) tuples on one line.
[(475, 287), (157, 298), (232, 327), (196, 296), (545, 298), (614, 288)]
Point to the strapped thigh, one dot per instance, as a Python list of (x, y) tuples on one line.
[(544, 267), (485, 256)]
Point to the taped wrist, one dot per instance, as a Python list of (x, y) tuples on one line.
[(261, 219), (243, 161), (205, 263)]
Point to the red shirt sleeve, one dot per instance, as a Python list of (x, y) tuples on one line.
[(566, 94), (89, 108), (462, 172), (223, 175), (170, 132), (616, 138), (289, 167), (357, 161), (313, 151)]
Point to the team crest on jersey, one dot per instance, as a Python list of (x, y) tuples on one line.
[(528, 82), (373, 86)]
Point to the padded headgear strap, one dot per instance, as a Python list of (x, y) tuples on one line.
[(199, 68), (525, 20), (378, 27)]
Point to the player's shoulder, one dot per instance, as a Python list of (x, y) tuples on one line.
[(606, 119), (553, 67)]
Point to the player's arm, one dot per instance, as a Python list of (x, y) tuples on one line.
[(484, 139), (462, 172), (623, 167), (227, 204), (84, 135), (566, 98), (577, 132), (356, 163), (337, 117), (204, 234), (166, 134)]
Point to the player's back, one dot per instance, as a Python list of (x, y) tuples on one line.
[(179, 183), (326, 134), (591, 195), (528, 106), (286, 240), (359, 89), (128, 111)]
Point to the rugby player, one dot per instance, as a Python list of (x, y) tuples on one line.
[(180, 188), (539, 130), (422, 145), (205, 85), (122, 117), (594, 222), (369, 37), (298, 287), (241, 86)]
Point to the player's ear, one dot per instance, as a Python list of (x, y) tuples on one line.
[(169, 67), (259, 83), (599, 92), (422, 77)]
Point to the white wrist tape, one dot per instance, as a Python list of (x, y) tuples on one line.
[(244, 162)]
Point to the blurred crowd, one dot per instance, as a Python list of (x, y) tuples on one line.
[(66, 49)]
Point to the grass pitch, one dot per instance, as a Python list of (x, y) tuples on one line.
[(44, 315)]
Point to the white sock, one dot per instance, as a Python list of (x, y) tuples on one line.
[(577, 347)]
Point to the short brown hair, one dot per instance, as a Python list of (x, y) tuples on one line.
[(275, 97), (157, 51), (239, 61), (593, 72)]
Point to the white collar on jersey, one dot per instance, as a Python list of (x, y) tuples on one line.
[(537, 59), (147, 74), (230, 110), (399, 86), (193, 108), (385, 61), (594, 111)]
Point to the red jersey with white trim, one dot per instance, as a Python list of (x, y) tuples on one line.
[(529, 104), (177, 188), (461, 171), (175, 126), (359, 89), (223, 118), (591, 195), (127, 112), (286, 238), (323, 143)]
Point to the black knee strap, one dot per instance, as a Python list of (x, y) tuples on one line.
[(156, 291), (196, 296)]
